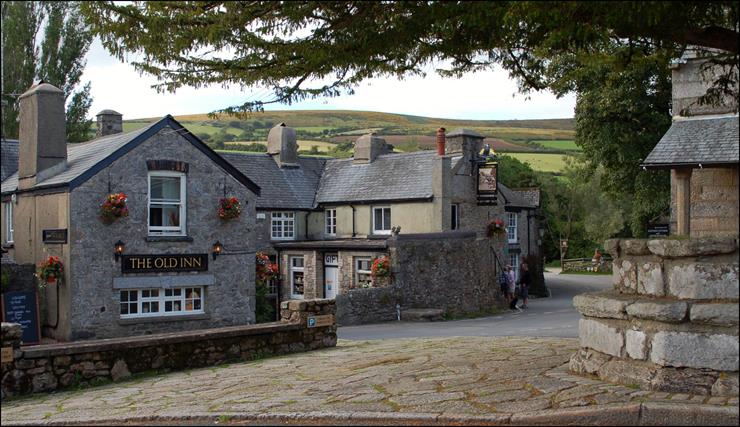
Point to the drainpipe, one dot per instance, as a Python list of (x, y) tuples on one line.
[(353, 220), (529, 242), (305, 230)]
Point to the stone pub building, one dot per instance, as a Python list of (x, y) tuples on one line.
[(148, 272)]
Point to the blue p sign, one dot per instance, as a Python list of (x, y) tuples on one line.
[(311, 322)]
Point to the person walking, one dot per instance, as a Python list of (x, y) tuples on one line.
[(525, 279)]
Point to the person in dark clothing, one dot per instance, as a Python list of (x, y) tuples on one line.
[(525, 279)]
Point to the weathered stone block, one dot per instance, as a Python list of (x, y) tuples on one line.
[(586, 361), (658, 310), (627, 372), (45, 381), (611, 246), (726, 385), (600, 337), (119, 370), (601, 305), (62, 361), (684, 349), (634, 247), (684, 380), (703, 281), (715, 314), (670, 248), (650, 279), (625, 275), (635, 344), (24, 364)]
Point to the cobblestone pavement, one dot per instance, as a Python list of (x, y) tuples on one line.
[(491, 379)]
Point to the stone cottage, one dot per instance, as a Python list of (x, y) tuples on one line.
[(671, 321), (150, 271), (326, 220)]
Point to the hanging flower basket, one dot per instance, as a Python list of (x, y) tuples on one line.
[(381, 267), (50, 270), (266, 270), (113, 207), (495, 228), (229, 208)]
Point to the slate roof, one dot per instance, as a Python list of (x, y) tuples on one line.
[(86, 159), (286, 188), (9, 158), (513, 199), (390, 177), (531, 195), (697, 140)]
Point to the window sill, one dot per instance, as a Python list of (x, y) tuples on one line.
[(169, 239), (162, 319), (8, 245)]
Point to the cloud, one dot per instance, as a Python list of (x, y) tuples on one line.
[(483, 95)]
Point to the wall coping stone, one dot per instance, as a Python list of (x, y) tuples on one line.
[(672, 248), (109, 344)]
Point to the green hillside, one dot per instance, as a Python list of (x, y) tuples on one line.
[(333, 132)]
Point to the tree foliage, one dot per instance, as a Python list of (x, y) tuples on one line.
[(58, 58), (309, 49)]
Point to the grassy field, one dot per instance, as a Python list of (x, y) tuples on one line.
[(302, 144), (559, 144), (541, 161), (527, 140)]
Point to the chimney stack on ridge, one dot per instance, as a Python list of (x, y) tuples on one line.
[(109, 123), (42, 134)]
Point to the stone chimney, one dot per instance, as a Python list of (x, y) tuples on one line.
[(466, 142), (690, 79), (368, 147), (109, 123), (283, 146), (441, 141), (42, 135)]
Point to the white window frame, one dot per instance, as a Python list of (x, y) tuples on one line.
[(282, 220), (511, 228), (455, 216), (330, 222), (163, 230), (376, 230), (160, 299), (8, 222), (293, 269), (514, 262), (358, 271)]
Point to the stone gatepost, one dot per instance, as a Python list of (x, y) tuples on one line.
[(671, 321)]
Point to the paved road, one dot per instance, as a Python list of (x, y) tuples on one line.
[(546, 317)]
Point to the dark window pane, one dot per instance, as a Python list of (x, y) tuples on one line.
[(124, 308), (386, 219), (133, 309), (155, 216), (168, 306)]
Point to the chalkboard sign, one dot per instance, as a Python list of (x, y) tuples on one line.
[(658, 230), (23, 307)]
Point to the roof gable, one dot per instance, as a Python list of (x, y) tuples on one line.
[(86, 159)]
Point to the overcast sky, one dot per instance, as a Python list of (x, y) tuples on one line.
[(485, 95)]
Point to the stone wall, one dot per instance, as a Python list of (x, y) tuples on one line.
[(714, 202), (20, 276), (671, 322), (453, 271), (45, 368)]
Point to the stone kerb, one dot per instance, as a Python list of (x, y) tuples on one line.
[(44, 368), (671, 322)]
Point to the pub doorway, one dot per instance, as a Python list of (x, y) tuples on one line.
[(331, 275)]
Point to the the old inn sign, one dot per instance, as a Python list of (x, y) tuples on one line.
[(164, 263)]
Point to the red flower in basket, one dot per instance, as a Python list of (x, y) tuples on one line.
[(495, 227), (229, 208), (381, 267), (113, 207), (51, 269)]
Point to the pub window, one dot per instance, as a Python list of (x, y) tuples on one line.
[(166, 203), (381, 220), (455, 217), (511, 228), (330, 216), (8, 214), (161, 302), (282, 225), (296, 277), (363, 275)]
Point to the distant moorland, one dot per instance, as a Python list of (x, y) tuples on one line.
[(541, 143)]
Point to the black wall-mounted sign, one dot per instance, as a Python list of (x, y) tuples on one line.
[(23, 307), (163, 263), (55, 235), (658, 230)]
